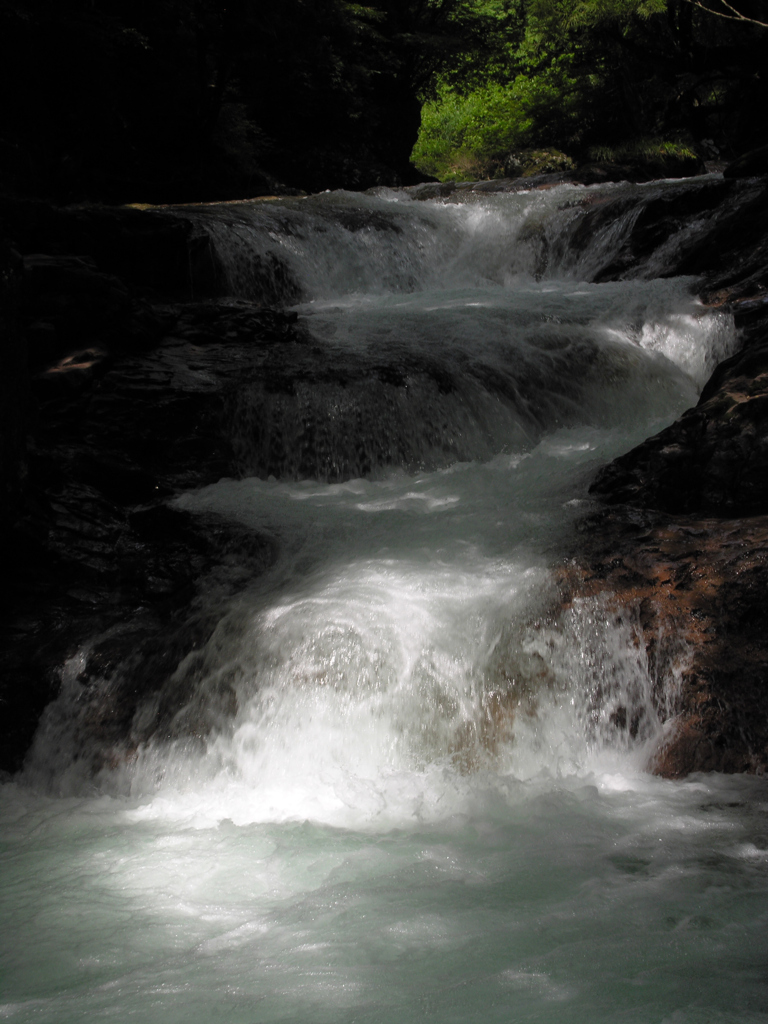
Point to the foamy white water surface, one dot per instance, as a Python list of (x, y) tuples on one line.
[(400, 783)]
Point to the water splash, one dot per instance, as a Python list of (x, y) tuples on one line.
[(441, 429)]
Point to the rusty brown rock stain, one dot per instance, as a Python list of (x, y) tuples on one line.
[(698, 587)]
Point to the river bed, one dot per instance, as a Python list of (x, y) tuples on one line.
[(401, 781)]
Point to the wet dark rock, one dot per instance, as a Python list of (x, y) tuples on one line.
[(130, 402), (733, 257), (695, 589), (430, 189), (524, 184), (272, 282), (714, 459), (42, 343), (445, 189), (152, 249), (591, 173), (75, 372), (691, 215), (684, 546), (600, 172), (750, 165), (97, 554), (122, 592), (164, 411)]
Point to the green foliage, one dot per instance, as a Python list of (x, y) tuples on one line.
[(559, 17), (464, 135), (477, 130), (644, 150), (629, 80)]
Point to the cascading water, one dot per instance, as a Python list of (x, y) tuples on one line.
[(401, 782)]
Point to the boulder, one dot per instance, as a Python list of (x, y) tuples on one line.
[(529, 163)]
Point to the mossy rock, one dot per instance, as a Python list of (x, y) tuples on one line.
[(647, 159), (529, 162)]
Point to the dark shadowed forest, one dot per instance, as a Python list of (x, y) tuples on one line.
[(179, 100)]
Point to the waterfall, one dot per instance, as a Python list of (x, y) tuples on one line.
[(448, 332), (403, 779)]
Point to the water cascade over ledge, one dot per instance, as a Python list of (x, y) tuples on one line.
[(401, 780)]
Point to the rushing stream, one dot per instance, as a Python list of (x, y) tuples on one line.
[(401, 782)]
